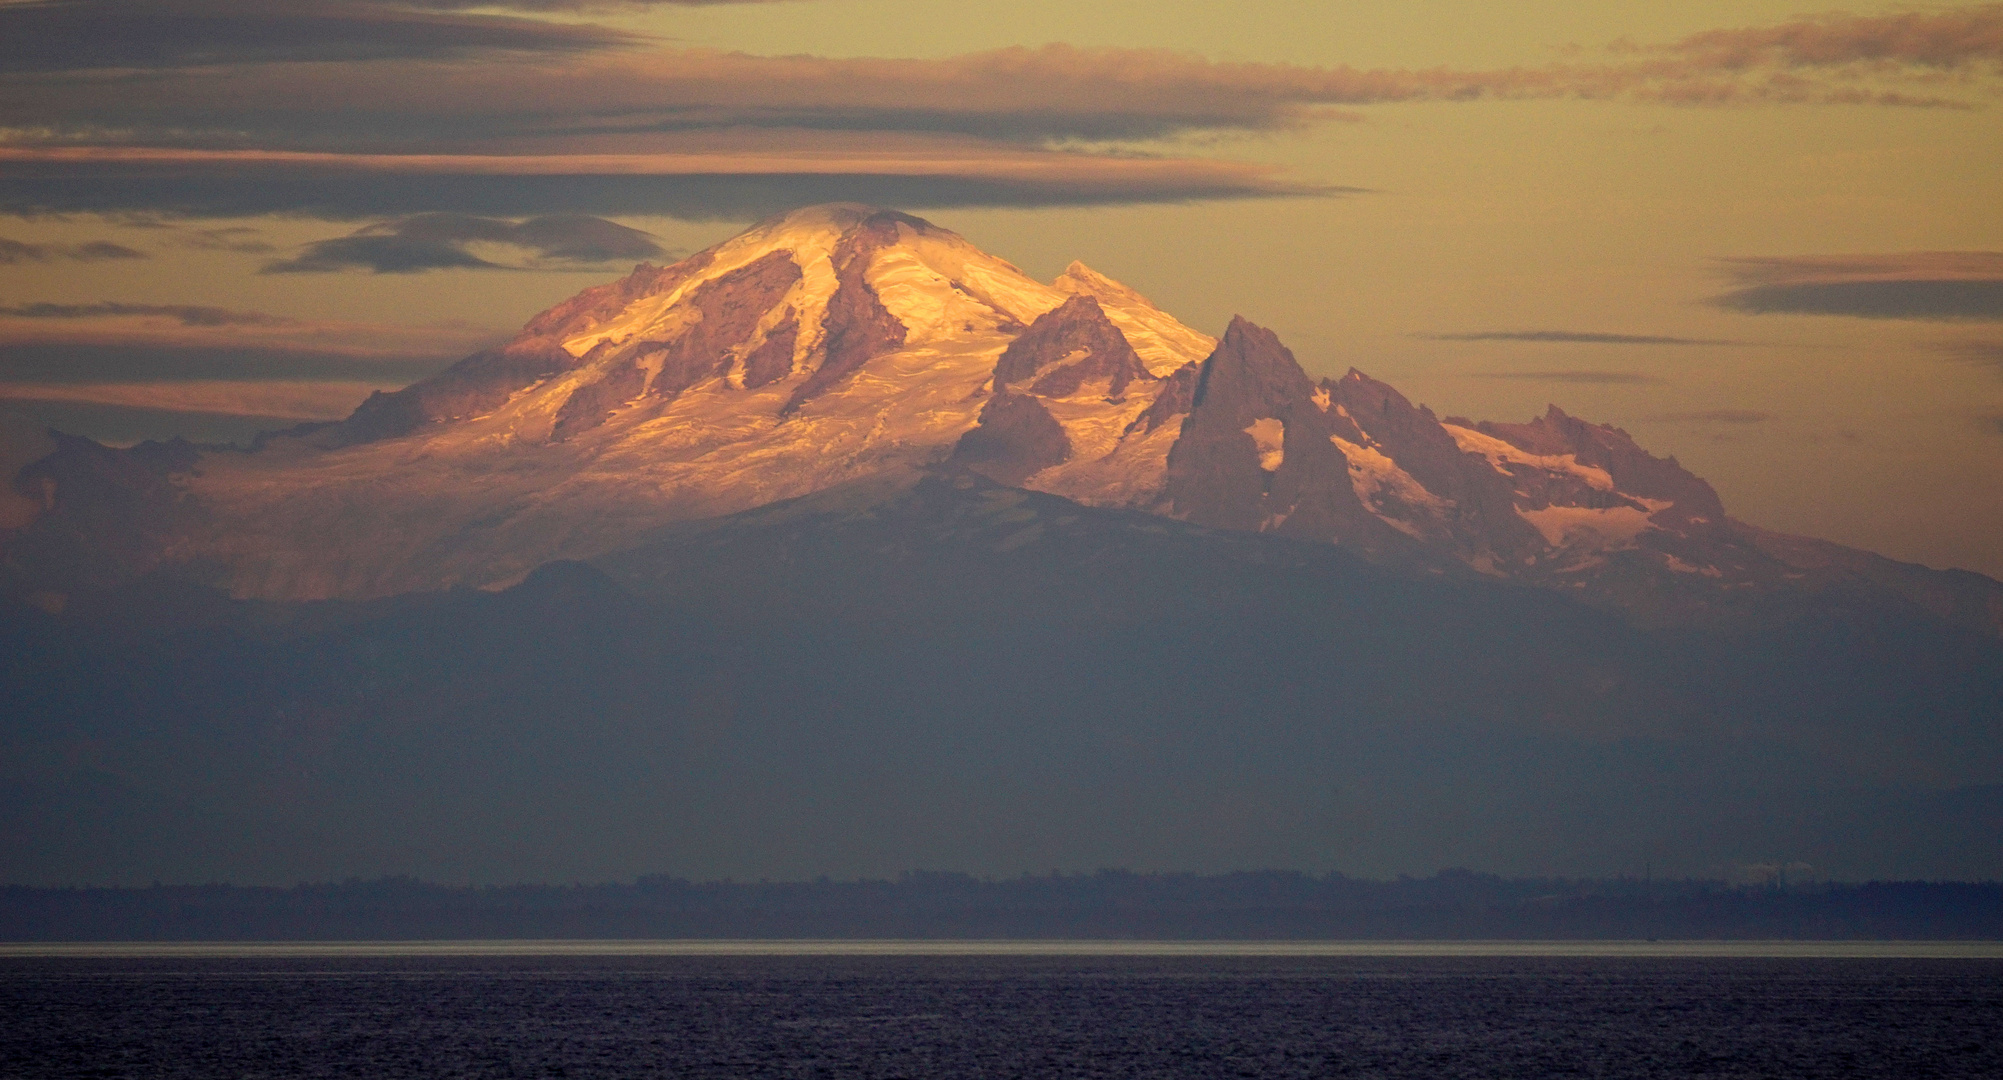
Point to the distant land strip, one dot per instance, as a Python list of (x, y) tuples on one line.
[(1104, 907)]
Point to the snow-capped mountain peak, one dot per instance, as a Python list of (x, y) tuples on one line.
[(842, 343)]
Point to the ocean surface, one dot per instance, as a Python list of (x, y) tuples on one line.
[(1130, 1011)]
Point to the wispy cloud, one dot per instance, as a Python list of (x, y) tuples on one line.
[(192, 359), (188, 358), (185, 314), (242, 239), (731, 179), (1580, 378), (1923, 285), (289, 400), (445, 241), (186, 331), (1021, 94), (1945, 40), (1576, 337), (86, 35), (1712, 416), (18, 251), (1986, 353)]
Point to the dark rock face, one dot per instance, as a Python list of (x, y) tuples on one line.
[(1216, 475), (1479, 514), (1176, 397), (1016, 437), (590, 404), (730, 306), (772, 360), (1635, 471), (1068, 346), (859, 327)]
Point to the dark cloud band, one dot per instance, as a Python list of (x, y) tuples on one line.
[(83, 362), (185, 314), (17, 251), (1575, 337), (1576, 378), (1928, 300), (439, 241), (1713, 416), (83, 35), (1922, 285), (334, 195)]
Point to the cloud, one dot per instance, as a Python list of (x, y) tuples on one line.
[(1575, 336), (441, 241), (290, 400), (17, 251), (77, 363), (418, 102), (732, 181), (570, 5), (42, 341), (108, 366), (93, 35), (1987, 353), (1581, 378), (185, 314), (1052, 92), (242, 239), (1949, 40), (1713, 416), (1922, 285)]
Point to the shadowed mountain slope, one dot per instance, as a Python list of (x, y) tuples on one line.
[(934, 670)]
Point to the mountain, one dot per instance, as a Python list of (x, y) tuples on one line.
[(842, 342), (845, 548)]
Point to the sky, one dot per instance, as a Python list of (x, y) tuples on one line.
[(1765, 239)]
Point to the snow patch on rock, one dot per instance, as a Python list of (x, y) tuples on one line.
[(1384, 488), (1501, 455), (1609, 528), (1271, 436)]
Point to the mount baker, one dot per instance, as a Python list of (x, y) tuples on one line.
[(844, 345)]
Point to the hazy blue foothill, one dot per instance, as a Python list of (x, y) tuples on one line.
[(954, 675)]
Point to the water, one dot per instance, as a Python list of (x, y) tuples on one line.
[(898, 1012)]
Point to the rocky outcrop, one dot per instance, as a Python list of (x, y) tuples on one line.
[(1016, 438), (1255, 452), (1068, 347)]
